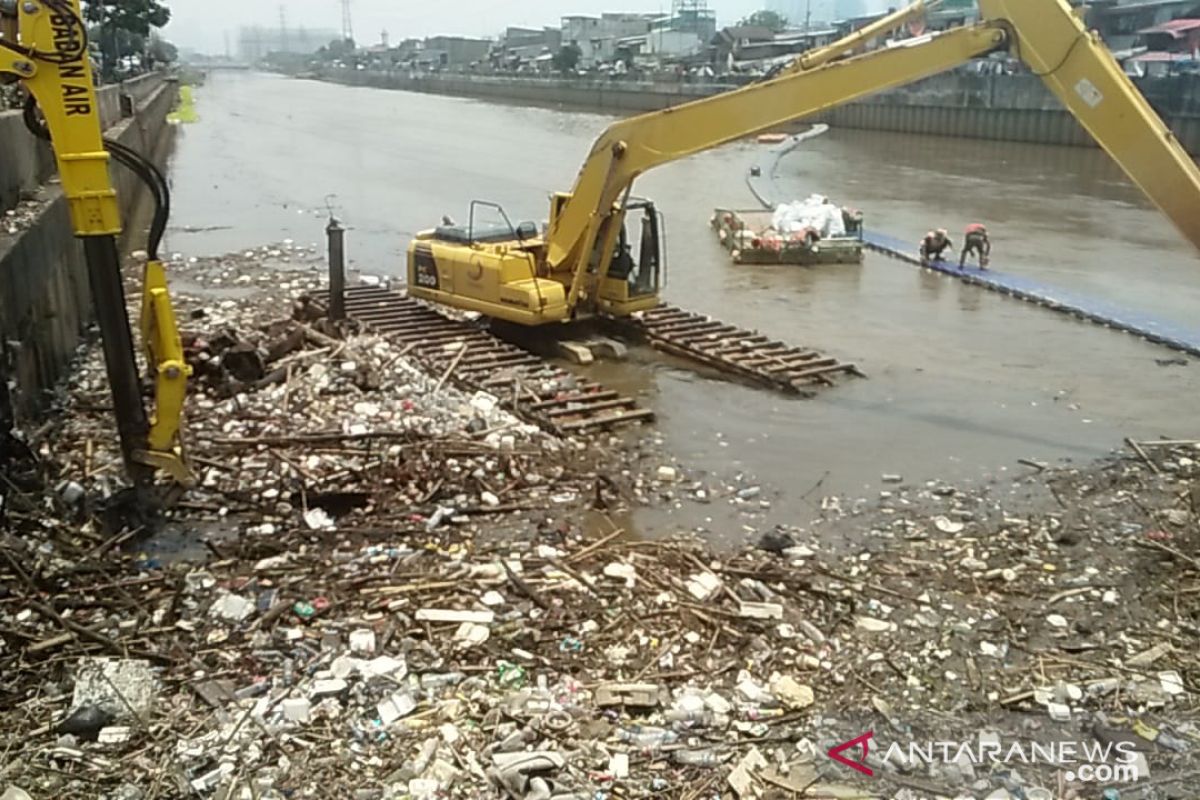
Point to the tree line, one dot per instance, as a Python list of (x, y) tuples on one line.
[(125, 32)]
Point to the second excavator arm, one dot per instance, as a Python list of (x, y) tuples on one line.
[(44, 45), (1045, 34)]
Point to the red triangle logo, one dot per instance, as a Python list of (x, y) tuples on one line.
[(858, 742)]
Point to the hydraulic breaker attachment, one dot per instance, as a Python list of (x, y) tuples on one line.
[(44, 45), (164, 354)]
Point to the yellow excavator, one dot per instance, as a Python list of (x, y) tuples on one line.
[(583, 263), (44, 45)]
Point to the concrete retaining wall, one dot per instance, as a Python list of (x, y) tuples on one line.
[(611, 96), (1014, 108), (45, 303), (26, 162), (1004, 107)]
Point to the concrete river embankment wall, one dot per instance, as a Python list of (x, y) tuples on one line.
[(1016, 108), (45, 302)]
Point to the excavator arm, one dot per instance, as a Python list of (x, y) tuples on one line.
[(1077, 67), (1045, 34), (44, 46), (859, 39)]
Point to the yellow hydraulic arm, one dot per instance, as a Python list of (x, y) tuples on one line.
[(859, 38), (44, 45), (1045, 34)]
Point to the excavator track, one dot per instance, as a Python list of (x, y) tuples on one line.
[(472, 358), (735, 350)]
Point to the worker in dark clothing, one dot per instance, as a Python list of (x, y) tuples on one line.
[(933, 245), (976, 242)]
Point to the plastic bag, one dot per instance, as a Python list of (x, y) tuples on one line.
[(815, 212)]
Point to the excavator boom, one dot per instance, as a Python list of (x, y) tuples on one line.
[(631, 147), (1045, 34), (1076, 66), (570, 269)]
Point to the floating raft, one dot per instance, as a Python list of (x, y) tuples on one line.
[(473, 358), (749, 354), (1175, 336), (749, 237), (1110, 315)]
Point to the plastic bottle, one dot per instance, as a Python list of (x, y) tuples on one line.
[(443, 513), (648, 738), (696, 758), (1171, 743), (753, 713), (687, 718), (441, 679), (253, 690), (510, 675)]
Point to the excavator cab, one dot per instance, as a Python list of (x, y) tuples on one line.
[(634, 277), (488, 265)]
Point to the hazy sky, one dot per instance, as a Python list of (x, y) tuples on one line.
[(201, 24)]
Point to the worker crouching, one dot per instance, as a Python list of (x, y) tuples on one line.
[(933, 245), (976, 242)]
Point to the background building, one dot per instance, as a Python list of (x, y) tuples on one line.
[(255, 43), (520, 47), (597, 37), (952, 13), (452, 52), (1120, 20)]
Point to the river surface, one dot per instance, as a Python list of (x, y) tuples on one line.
[(961, 382)]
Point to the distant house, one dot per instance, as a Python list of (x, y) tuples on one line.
[(597, 37), (452, 52), (783, 47), (1170, 47), (407, 50), (953, 13), (729, 43), (1176, 36), (699, 21), (674, 38), (1120, 22), (522, 47), (660, 45)]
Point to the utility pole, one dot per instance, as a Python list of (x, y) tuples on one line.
[(347, 23), (283, 32), (807, 14)]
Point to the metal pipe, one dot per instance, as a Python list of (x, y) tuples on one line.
[(337, 269), (108, 297)]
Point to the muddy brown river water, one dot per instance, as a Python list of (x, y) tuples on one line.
[(961, 382)]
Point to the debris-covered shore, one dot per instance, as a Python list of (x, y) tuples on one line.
[(385, 587)]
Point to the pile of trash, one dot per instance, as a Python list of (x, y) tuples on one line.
[(291, 419), (409, 661), (815, 213), (404, 592), (18, 219)]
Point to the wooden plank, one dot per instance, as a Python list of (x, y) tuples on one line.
[(822, 371), (604, 395), (691, 326), (591, 408), (615, 419)]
